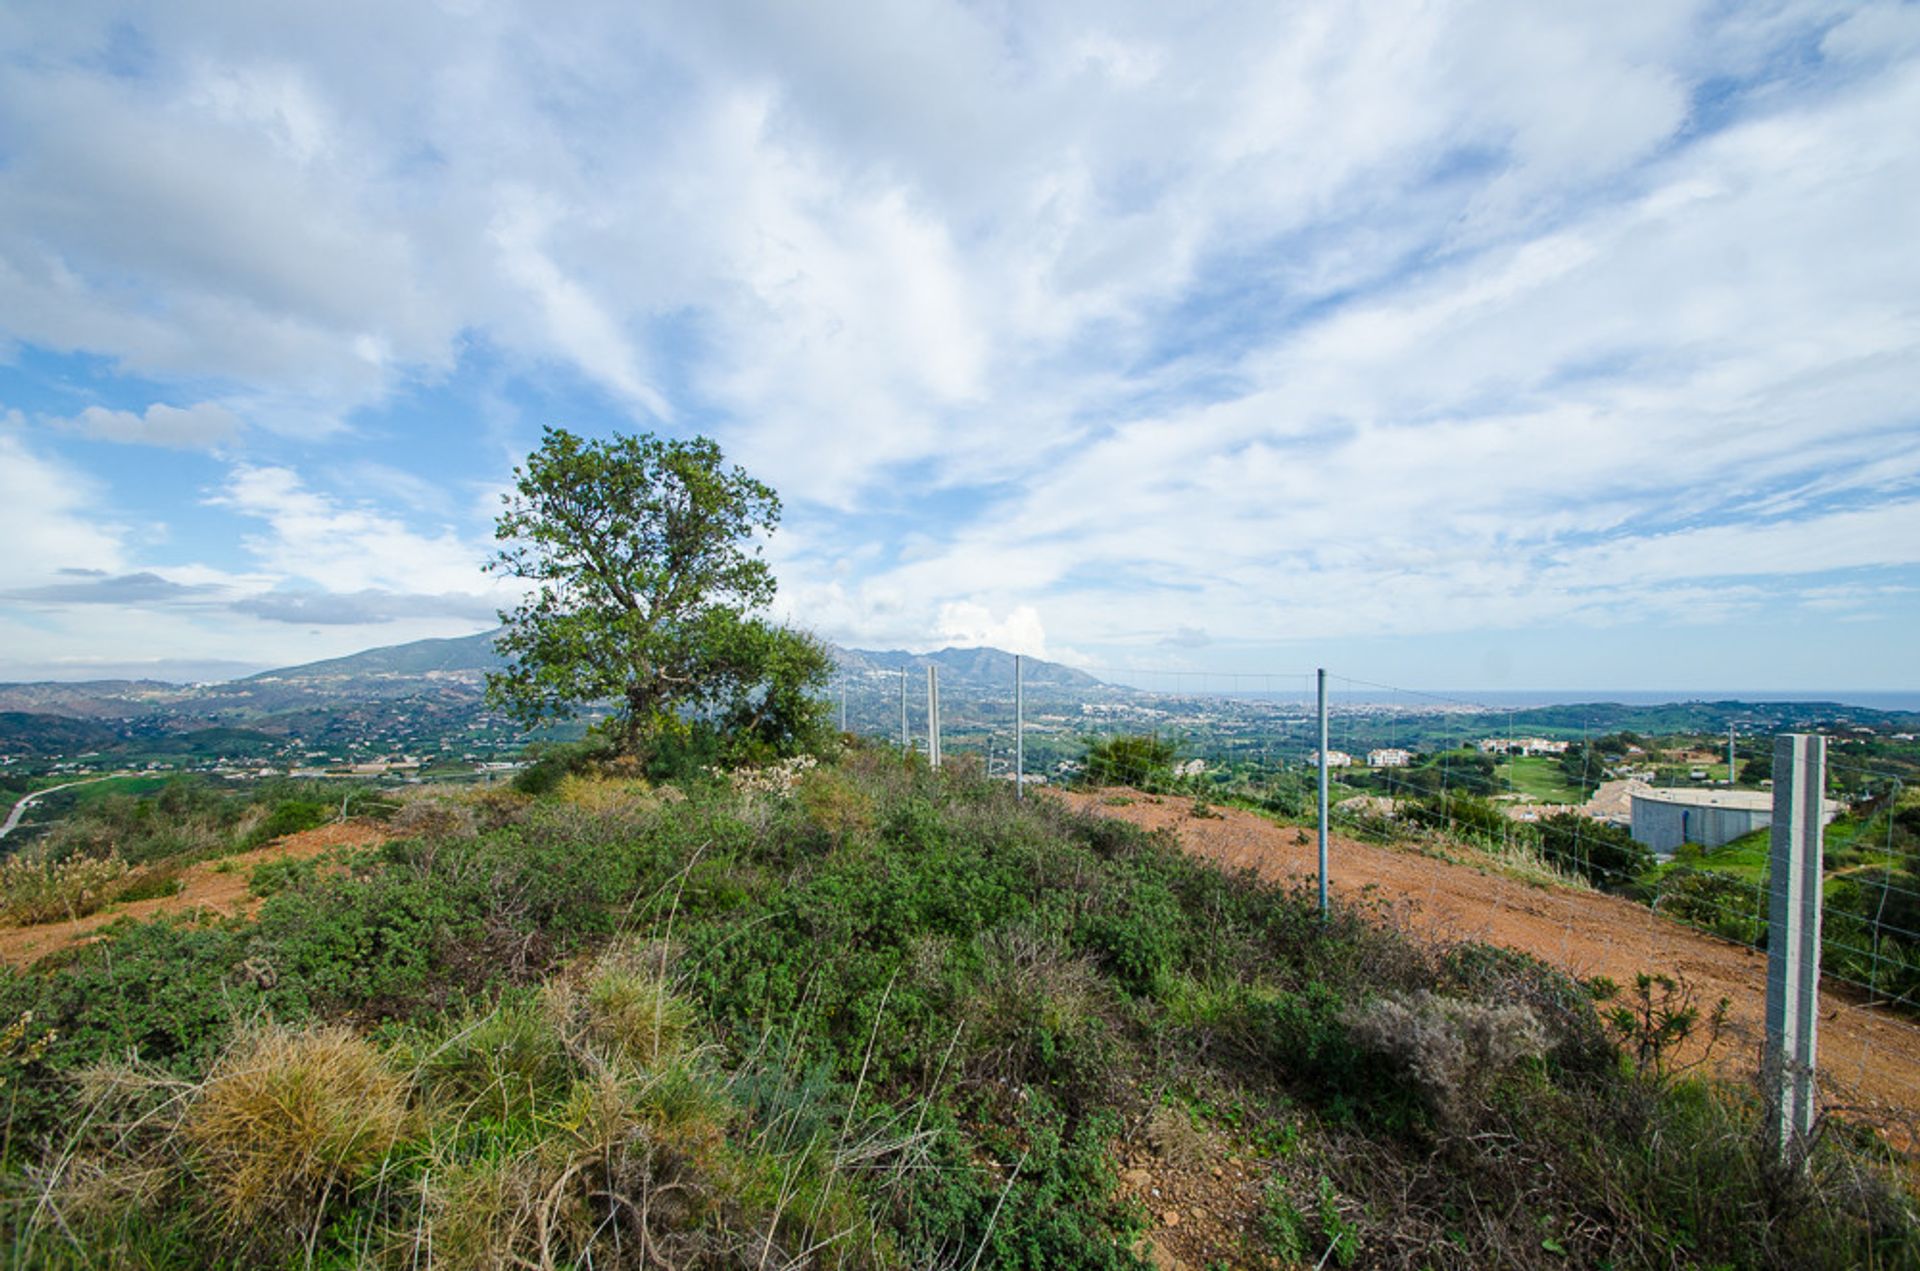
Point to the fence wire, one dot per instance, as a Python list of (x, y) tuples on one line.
[(1260, 730)]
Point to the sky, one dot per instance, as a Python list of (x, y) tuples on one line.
[(1448, 345)]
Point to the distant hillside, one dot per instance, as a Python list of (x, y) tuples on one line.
[(970, 668), (22, 732), (473, 655), (87, 699)]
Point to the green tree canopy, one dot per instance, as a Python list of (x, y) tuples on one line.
[(647, 582)]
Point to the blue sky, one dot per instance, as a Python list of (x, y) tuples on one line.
[(1459, 346)]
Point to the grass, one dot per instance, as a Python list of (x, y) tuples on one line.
[(869, 1016), (1539, 778)]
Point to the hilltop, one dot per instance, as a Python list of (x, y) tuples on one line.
[(841, 1012)]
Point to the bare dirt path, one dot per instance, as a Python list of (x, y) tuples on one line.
[(216, 888), (1869, 1060)]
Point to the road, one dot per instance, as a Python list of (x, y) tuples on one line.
[(27, 801)]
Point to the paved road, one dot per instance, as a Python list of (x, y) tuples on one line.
[(20, 808)]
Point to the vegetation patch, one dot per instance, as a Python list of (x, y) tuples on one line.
[(859, 1013)]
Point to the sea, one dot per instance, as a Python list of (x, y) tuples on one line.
[(1871, 699)]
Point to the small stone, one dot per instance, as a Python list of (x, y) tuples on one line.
[(1171, 1218), (1218, 1172)]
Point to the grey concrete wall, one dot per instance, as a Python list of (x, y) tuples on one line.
[(1665, 826)]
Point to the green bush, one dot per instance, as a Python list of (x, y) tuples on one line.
[(291, 816), (1130, 760), (1604, 854), (1727, 906)]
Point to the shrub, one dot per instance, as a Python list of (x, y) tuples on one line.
[(290, 816), (272, 877), (1455, 1051), (35, 890), (435, 819), (1130, 760), (553, 762), (1605, 854), (1727, 906)]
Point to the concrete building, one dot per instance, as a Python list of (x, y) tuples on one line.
[(1389, 757), (1664, 819), (1520, 746), (1335, 759)]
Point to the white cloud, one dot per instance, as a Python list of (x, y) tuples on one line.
[(315, 540), (49, 520), (964, 623), (1259, 321), (191, 427)]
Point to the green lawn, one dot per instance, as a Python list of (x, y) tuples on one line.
[(94, 791), (1540, 778), (1748, 857)]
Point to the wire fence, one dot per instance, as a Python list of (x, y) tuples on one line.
[(1554, 799)]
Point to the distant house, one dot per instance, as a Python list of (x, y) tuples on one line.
[(1191, 768), (1520, 746), (1389, 757), (1335, 759)]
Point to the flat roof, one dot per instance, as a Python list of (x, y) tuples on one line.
[(1737, 800), (1743, 800)]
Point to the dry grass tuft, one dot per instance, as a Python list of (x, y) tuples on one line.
[(288, 1123), (1174, 1137), (621, 1012), (435, 818), (603, 795)]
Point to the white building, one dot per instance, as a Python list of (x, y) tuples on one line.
[(1520, 746), (1389, 757), (1335, 759), (1664, 819)]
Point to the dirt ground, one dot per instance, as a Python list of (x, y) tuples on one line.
[(213, 887), (1869, 1060)]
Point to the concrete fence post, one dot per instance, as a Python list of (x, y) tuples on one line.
[(1793, 937), (933, 716)]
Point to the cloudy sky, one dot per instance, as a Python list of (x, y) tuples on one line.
[(1455, 345)]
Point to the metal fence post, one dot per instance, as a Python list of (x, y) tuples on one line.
[(1323, 792), (1019, 732), (1793, 936), (906, 739)]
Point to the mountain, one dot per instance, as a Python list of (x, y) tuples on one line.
[(463, 657), (88, 699), (970, 668)]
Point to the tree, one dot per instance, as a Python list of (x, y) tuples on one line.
[(647, 583), (1135, 759)]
